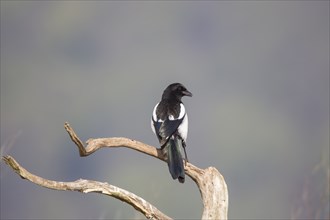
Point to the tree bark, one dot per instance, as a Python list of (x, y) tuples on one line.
[(210, 182)]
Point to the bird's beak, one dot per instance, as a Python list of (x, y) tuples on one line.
[(187, 93)]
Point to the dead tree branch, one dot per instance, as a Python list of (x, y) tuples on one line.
[(87, 186), (210, 182)]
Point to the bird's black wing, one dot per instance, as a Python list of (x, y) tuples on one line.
[(168, 128), (166, 119), (156, 125)]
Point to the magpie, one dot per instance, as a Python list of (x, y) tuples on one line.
[(169, 122)]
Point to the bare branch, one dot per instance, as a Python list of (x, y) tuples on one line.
[(87, 186), (210, 182), (95, 144)]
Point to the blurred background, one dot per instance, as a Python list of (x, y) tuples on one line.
[(259, 73)]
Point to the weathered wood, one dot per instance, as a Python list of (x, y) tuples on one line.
[(210, 182)]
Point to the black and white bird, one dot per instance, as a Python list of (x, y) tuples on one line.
[(169, 122)]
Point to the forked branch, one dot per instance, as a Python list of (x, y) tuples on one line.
[(210, 182)]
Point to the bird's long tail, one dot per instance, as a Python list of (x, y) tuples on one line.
[(174, 159)]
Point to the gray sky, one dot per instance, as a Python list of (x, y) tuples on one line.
[(259, 72)]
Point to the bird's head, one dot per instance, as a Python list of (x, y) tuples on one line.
[(176, 91)]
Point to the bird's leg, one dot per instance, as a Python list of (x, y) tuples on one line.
[(185, 153)]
